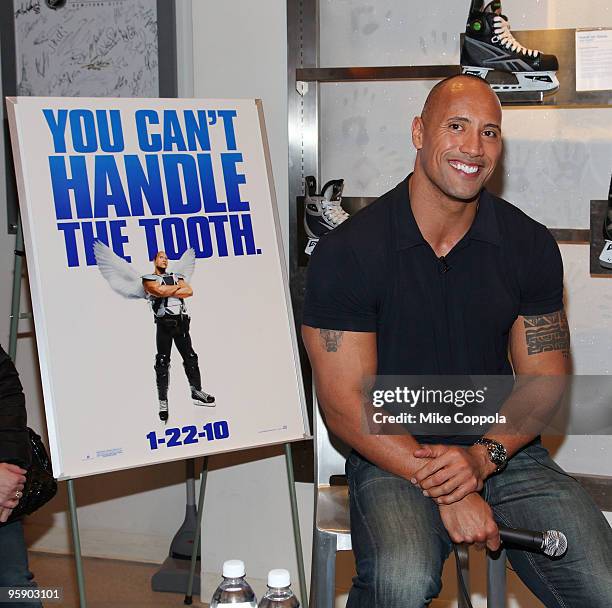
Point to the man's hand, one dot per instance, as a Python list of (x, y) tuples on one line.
[(5, 514), (452, 472), (12, 480), (471, 521)]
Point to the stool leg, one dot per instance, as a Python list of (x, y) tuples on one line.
[(463, 571), (323, 577), (496, 580)]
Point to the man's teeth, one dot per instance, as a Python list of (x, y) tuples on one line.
[(465, 168)]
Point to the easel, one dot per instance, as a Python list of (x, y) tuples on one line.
[(16, 315)]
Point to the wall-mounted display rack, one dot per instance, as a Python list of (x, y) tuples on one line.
[(305, 77)]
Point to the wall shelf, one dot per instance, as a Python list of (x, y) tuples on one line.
[(561, 42), (364, 74)]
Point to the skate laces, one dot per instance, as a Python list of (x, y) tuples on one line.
[(333, 212), (505, 37), (331, 195)]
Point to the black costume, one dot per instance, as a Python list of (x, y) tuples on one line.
[(172, 323), (14, 438)]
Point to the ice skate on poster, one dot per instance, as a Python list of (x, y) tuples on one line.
[(166, 292)]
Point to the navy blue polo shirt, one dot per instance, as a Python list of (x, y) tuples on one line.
[(376, 273)]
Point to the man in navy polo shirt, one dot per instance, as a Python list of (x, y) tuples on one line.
[(439, 277)]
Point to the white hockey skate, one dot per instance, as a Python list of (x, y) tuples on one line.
[(323, 211)]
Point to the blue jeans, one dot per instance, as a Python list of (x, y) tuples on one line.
[(14, 571), (400, 543)]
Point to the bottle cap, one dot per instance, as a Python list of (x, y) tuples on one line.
[(279, 578), (233, 568)]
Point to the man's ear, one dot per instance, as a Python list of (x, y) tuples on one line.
[(417, 132)]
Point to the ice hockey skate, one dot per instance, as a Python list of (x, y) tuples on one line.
[(605, 257), (199, 397), (490, 51), (163, 410), (323, 211)]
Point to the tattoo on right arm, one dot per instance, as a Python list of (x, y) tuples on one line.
[(547, 333), (331, 339)]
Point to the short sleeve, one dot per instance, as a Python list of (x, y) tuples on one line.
[(542, 285), (338, 293)]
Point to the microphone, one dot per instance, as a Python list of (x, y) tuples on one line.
[(552, 543)]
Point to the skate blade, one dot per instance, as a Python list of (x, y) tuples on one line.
[(546, 83), (200, 404)]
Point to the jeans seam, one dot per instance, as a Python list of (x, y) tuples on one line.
[(535, 567), (368, 483), (372, 540)]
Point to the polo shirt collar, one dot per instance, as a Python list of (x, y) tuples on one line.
[(484, 228)]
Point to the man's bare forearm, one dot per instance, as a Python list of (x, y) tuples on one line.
[(528, 411), (183, 292), (167, 291), (341, 362), (393, 453)]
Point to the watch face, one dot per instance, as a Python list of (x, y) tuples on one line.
[(497, 456), (497, 452)]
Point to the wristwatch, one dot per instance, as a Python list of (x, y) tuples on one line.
[(497, 452)]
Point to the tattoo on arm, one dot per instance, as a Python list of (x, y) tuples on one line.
[(546, 333), (331, 339)]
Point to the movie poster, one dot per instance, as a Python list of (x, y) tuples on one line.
[(161, 308)]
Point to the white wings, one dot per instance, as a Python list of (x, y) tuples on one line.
[(185, 266), (120, 275)]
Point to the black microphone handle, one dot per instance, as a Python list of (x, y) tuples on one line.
[(524, 538)]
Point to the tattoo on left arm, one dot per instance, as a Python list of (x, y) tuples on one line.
[(331, 339), (547, 333)]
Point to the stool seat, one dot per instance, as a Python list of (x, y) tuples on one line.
[(333, 514)]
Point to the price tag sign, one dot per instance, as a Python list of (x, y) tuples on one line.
[(594, 59)]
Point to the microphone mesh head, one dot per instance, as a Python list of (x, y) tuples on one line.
[(555, 543)]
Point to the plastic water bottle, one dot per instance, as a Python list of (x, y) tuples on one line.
[(234, 591), (279, 594)]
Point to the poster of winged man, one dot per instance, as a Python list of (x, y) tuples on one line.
[(163, 322), (166, 292)]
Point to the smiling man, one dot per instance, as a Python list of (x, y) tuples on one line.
[(439, 277)]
